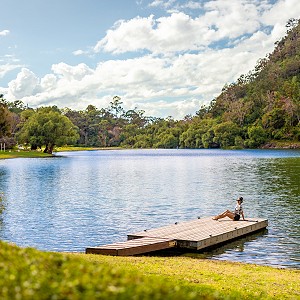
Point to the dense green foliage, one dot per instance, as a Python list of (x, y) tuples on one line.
[(31, 274), (46, 127), (260, 107), (264, 104)]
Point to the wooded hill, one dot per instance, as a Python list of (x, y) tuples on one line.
[(262, 106), (265, 103)]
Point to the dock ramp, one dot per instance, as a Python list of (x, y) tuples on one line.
[(133, 247)]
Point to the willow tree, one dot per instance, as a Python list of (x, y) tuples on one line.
[(47, 127)]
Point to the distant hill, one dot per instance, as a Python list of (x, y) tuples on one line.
[(265, 103)]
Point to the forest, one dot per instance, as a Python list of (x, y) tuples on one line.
[(261, 107)]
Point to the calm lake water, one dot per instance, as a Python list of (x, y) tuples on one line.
[(90, 198)]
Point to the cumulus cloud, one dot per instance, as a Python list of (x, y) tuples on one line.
[(71, 73), (180, 61), (281, 12), (48, 83), (126, 36), (174, 33), (24, 85), (4, 32), (179, 32)]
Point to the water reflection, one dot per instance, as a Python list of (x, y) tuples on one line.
[(90, 198), (236, 246), (2, 208), (2, 198), (281, 193)]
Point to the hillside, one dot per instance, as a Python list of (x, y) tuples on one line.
[(266, 101)]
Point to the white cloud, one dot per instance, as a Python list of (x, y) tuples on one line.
[(192, 5), (179, 32), (162, 3), (126, 36), (232, 18), (186, 63), (78, 52), (177, 110), (147, 81), (281, 12), (69, 73), (173, 5), (156, 3), (48, 83), (8, 67), (24, 85), (4, 32)]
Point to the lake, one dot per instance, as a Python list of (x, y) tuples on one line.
[(90, 198)]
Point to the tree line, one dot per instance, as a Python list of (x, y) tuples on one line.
[(261, 106)]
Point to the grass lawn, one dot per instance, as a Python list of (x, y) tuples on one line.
[(75, 148), (33, 154), (26, 273), (23, 153)]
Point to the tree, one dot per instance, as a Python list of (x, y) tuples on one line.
[(48, 127), (136, 117), (257, 136), (5, 121), (8, 122), (192, 137), (116, 108), (225, 134)]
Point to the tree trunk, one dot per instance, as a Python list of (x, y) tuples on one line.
[(86, 139), (49, 148)]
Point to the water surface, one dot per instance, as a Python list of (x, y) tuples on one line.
[(90, 198)]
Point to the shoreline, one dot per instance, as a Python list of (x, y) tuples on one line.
[(185, 255), (139, 277), (281, 145), (8, 154)]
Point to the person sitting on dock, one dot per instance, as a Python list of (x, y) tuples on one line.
[(236, 215)]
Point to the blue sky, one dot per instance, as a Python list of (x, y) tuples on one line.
[(165, 57)]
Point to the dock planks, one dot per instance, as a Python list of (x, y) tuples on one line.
[(133, 247), (195, 235)]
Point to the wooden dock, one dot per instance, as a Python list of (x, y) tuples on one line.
[(195, 235)]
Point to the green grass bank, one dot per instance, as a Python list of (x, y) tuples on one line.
[(34, 154), (26, 273), (22, 153)]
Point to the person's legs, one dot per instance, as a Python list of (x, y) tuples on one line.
[(226, 213)]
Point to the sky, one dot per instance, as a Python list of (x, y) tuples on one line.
[(166, 57)]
